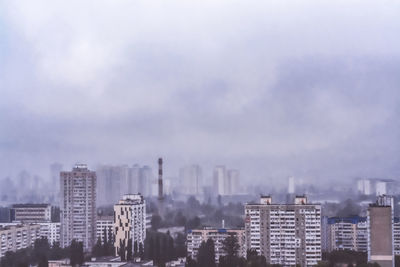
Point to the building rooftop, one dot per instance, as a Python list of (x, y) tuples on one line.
[(31, 205), (351, 219)]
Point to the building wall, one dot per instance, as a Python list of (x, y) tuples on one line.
[(50, 230), (105, 226), (380, 235), (17, 237), (30, 213), (286, 234), (129, 221), (78, 206), (347, 233)]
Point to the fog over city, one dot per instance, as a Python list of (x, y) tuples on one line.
[(274, 89)]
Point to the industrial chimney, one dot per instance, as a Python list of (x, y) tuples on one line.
[(160, 181)]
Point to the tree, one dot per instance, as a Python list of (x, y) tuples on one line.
[(97, 250), (193, 223), (122, 250), (206, 255), (76, 253), (231, 247), (180, 248), (157, 256), (254, 260), (41, 252), (170, 248), (190, 262), (156, 222), (135, 249), (141, 251), (57, 253), (129, 249)]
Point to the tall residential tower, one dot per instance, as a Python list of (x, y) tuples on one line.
[(78, 206)]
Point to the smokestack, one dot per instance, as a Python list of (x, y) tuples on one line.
[(160, 181)]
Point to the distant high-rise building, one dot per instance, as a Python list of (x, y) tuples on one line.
[(115, 181), (364, 186), (220, 184), (145, 181), (233, 182), (78, 206), (286, 234), (191, 178), (55, 170), (291, 185), (380, 232), (135, 183), (226, 182), (129, 222), (381, 188)]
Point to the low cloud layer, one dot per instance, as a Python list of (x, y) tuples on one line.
[(304, 88)]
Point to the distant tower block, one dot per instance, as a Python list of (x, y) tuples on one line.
[(160, 180), (291, 185)]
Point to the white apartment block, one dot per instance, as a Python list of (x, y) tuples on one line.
[(286, 234), (347, 233), (197, 236), (78, 206), (50, 230), (396, 236), (31, 213), (104, 229), (17, 237), (129, 221)]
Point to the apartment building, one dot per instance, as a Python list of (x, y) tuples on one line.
[(129, 221), (396, 236), (104, 229), (347, 233), (196, 236), (380, 231), (286, 234), (78, 206), (50, 230), (31, 213), (16, 237)]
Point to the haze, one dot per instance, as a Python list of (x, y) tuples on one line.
[(273, 88)]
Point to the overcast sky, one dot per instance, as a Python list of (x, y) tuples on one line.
[(273, 88)]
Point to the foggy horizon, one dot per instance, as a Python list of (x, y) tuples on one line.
[(309, 90)]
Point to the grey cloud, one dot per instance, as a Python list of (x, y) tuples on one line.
[(309, 90)]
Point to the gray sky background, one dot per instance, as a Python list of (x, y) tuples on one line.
[(274, 88)]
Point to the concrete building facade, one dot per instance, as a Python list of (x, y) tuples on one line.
[(31, 213), (50, 230), (347, 233), (286, 234), (17, 237), (105, 229), (78, 206), (129, 221), (380, 232)]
